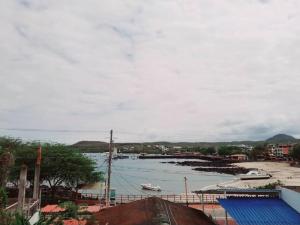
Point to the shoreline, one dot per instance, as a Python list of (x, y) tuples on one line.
[(282, 171)]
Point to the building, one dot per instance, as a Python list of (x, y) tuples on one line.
[(280, 209), (239, 157), (280, 150)]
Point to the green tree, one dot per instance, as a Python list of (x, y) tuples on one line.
[(209, 151), (7, 146), (226, 150), (71, 210), (3, 198), (258, 150), (295, 153), (60, 165)]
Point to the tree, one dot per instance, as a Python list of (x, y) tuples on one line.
[(60, 165), (7, 146), (296, 152), (71, 210), (3, 198), (209, 151), (229, 150), (257, 151)]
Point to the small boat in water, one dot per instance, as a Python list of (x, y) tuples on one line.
[(150, 187), (254, 175)]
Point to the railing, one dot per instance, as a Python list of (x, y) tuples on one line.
[(196, 198), (191, 198), (12, 207), (29, 209), (32, 208)]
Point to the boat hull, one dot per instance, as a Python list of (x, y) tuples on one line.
[(254, 177)]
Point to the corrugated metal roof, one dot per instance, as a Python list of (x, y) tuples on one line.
[(239, 190), (258, 211)]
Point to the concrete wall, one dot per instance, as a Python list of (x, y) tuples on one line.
[(291, 197)]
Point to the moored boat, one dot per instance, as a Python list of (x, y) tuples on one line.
[(255, 175), (150, 187)]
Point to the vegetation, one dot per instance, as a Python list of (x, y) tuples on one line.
[(271, 185), (71, 210), (229, 150), (6, 157), (61, 164), (281, 139), (13, 218), (3, 198), (204, 150), (258, 151), (295, 154)]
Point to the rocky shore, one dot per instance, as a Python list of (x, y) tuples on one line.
[(221, 166)]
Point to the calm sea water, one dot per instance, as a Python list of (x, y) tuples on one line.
[(128, 174)]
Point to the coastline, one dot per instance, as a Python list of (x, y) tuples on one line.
[(282, 171)]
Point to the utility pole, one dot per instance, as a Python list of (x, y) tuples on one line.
[(109, 169), (186, 196), (22, 188), (37, 171)]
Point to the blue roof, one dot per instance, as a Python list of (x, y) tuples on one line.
[(258, 211)]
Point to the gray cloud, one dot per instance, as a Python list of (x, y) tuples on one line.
[(152, 70)]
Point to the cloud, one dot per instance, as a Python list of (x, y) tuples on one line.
[(203, 70)]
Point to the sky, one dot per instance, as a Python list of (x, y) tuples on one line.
[(175, 70)]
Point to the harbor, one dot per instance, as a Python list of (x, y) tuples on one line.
[(128, 174)]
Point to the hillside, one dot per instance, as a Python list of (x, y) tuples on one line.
[(281, 138), (91, 146), (98, 146)]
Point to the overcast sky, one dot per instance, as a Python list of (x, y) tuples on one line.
[(185, 70)]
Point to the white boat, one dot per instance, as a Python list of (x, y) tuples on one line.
[(254, 175), (150, 187)]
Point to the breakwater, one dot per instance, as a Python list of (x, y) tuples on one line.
[(220, 166), (202, 157)]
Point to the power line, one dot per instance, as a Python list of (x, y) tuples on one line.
[(54, 130), (130, 184)]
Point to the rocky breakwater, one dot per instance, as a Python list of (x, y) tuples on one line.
[(221, 166)]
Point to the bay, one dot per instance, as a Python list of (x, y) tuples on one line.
[(129, 174)]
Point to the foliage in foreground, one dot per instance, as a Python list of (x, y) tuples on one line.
[(61, 165), (3, 198)]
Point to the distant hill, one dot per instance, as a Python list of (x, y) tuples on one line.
[(98, 146), (91, 146), (281, 138)]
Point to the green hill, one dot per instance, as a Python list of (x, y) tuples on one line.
[(281, 138)]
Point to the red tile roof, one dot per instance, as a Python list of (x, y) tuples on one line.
[(57, 208), (90, 208), (52, 209), (74, 222)]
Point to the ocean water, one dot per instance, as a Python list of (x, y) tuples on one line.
[(128, 174)]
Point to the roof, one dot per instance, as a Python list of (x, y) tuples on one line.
[(250, 191), (257, 211), (74, 222), (52, 209), (90, 208), (57, 208), (152, 211)]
